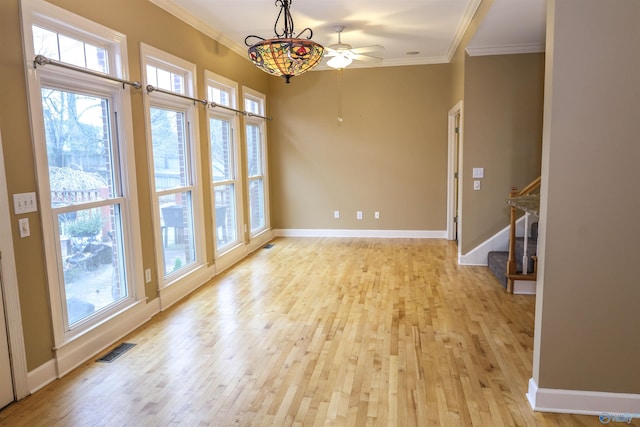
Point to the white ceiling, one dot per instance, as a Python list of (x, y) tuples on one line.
[(511, 26), (433, 28)]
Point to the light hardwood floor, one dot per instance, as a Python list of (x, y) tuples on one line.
[(316, 332)]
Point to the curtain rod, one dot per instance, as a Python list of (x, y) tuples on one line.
[(204, 102), (214, 105), (244, 113), (179, 95), (258, 115), (43, 60)]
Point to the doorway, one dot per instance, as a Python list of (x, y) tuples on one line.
[(454, 179), (6, 377), (13, 362), (6, 374)]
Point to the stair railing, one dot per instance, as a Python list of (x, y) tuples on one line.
[(512, 272)]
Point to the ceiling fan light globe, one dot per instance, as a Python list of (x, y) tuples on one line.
[(338, 62)]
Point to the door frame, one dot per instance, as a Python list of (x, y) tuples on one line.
[(10, 290), (454, 229)]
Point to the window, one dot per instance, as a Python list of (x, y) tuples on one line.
[(86, 176), (224, 162), (70, 50), (173, 151), (86, 200), (256, 162)]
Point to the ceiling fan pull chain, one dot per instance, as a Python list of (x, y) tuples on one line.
[(340, 96)]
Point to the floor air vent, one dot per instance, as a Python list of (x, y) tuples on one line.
[(115, 353), (268, 246)]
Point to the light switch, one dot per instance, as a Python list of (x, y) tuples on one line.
[(23, 223), (24, 203), (478, 172), (476, 185)]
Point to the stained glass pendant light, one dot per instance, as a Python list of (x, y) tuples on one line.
[(285, 55)]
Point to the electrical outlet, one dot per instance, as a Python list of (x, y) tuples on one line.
[(336, 214), (376, 215), (359, 214), (147, 275)]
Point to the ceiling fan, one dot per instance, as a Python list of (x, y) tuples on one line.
[(342, 54)]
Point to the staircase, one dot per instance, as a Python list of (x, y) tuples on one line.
[(498, 260), (508, 266)]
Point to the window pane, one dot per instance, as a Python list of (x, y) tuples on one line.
[(221, 150), (45, 43), (256, 204), (78, 147), (254, 153), (225, 202), (92, 260), (165, 79), (169, 148), (219, 96), (152, 75), (177, 231), (252, 106), (69, 50), (96, 58), (178, 83)]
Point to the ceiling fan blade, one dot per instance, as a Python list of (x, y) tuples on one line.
[(365, 49), (367, 58)]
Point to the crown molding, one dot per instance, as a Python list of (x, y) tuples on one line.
[(199, 25), (472, 8), (506, 49)]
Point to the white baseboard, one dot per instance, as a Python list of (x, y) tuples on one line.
[(524, 287), (391, 234), (582, 402), (41, 376), (259, 240), (498, 242), (240, 252), (171, 294), (74, 353)]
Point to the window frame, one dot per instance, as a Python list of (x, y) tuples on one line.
[(150, 55), (222, 83), (44, 15), (260, 98)]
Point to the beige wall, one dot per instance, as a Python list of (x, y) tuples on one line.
[(389, 154), (503, 103), (20, 173), (140, 21), (458, 60), (588, 301)]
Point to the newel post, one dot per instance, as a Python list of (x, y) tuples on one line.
[(511, 263)]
